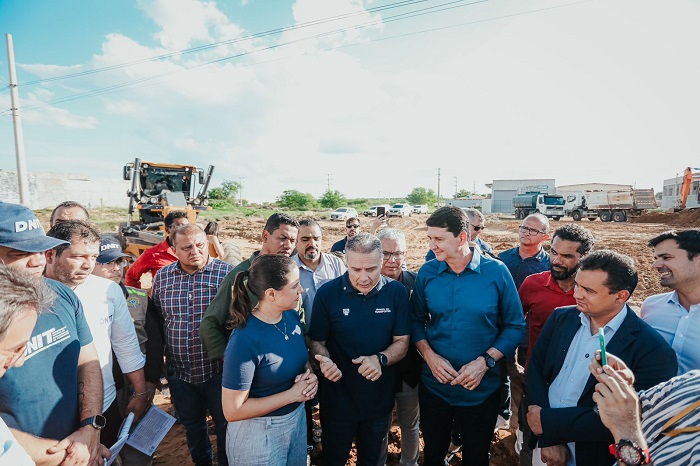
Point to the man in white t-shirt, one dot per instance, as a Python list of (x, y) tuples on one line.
[(106, 313)]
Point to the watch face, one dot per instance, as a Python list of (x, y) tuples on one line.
[(629, 455), (100, 422)]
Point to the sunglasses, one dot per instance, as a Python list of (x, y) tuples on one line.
[(353, 227), (478, 227)]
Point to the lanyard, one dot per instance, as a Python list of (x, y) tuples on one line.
[(678, 417)]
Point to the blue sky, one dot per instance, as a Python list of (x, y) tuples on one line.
[(580, 91)]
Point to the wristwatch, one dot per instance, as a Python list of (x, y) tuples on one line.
[(629, 453), (383, 361), (490, 362), (97, 421)]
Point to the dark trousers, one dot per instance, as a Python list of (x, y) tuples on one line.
[(337, 436), (474, 423), (192, 401)]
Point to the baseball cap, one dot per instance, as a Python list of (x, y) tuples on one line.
[(110, 249), (21, 230)]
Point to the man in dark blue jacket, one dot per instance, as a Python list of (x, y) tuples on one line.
[(560, 387)]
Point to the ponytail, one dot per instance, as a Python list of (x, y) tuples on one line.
[(241, 306)]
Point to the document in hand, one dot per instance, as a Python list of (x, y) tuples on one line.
[(151, 430), (121, 439)]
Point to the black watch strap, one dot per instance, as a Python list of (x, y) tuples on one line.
[(490, 362), (97, 421), (383, 361)]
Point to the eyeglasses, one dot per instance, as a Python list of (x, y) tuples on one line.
[(397, 255), (119, 262), (530, 231), (478, 227), (353, 227)]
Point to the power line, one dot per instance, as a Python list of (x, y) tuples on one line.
[(132, 84), (226, 42)]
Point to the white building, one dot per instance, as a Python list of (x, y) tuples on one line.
[(671, 194), (503, 192)]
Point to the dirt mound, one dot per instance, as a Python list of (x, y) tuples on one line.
[(688, 218)]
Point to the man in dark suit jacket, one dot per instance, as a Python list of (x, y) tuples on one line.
[(560, 388)]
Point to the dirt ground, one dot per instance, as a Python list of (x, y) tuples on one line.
[(628, 238)]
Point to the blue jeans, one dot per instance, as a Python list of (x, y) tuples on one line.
[(337, 436), (268, 440), (192, 401)]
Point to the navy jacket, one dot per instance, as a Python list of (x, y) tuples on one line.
[(644, 351)]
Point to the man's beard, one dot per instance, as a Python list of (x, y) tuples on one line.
[(559, 274)]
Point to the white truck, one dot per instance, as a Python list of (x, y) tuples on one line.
[(551, 205), (614, 205)]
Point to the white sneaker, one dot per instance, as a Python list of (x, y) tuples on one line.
[(502, 424), (451, 452)]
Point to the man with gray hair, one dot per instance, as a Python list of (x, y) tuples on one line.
[(408, 369), (21, 299), (359, 330)]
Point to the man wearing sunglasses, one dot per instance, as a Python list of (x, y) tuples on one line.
[(353, 227)]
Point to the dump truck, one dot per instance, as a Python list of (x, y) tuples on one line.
[(613, 205), (551, 205), (158, 189)]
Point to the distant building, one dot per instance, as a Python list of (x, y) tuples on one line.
[(503, 192), (474, 202), (671, 193)]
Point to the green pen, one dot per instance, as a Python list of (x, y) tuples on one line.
[(603, 356)]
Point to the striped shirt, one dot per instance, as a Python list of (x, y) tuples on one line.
[(659, 404), (183, 300)]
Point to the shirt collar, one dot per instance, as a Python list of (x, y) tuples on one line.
[(473, 265), (206, 269), (554, 286), (539, 257), (614, 323), (301, 264)]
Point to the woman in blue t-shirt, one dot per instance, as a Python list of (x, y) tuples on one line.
[(267, 376)]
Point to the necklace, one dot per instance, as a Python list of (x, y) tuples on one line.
[(284, 334)]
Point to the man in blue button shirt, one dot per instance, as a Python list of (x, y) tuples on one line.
[(359, 330), (466, 315)]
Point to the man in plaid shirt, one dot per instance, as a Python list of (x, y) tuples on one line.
[(182, 291)]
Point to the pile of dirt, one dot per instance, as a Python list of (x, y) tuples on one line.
[(689, 218)]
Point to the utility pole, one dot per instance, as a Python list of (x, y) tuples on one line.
[(329, 183), (22, 179), (438, 193), (456, 190)]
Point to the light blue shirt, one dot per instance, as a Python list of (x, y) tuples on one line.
[(568, 386), (680, 328), (10, 450), (330, 267)]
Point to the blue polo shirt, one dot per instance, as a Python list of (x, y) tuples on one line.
[(339, 246), (521, 268), (354, 325), (463, 315)]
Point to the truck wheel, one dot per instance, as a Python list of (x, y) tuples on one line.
[(576, 215), (619, 216), (232, 253), (605, 216), (556, 218), (592, 219)]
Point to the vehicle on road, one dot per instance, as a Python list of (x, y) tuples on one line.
[(420, 209), (343, 213), (609, 205), (400, 210), (372, 211), (551, 205)]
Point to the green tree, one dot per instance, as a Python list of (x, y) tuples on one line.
[(228, 190), (332, 199), (297, 200), (422, 196), (463, 193)]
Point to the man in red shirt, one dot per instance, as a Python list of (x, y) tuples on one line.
[(543, 292), (160, 255)]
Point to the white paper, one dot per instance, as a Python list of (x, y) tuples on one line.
[(151, 430), (121, 440)]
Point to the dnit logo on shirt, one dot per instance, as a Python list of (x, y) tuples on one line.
[(46, 340), (346, 312), (382, 310)]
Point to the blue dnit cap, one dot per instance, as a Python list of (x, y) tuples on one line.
[(21, 230), (110, 250)]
